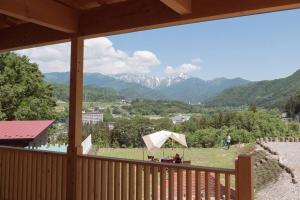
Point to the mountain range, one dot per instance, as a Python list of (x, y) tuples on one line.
[(132, 86), (216, 92)]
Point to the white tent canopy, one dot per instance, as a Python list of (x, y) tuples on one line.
[(155, 140)]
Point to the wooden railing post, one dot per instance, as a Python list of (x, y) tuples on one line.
[(75, 118), (244, 178)]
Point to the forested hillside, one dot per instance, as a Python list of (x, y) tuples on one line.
[(197, 90), (268, 94), (90, 93)]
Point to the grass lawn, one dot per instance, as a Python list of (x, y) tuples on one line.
[(213, 157)]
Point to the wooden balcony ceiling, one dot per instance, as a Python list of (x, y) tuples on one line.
[(26, 23)]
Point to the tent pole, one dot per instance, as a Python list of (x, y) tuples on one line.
[(172, 144)]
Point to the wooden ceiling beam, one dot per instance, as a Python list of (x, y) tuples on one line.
[(140, 15), (46, 13), (182, 7), (136, 15), (29, 35)]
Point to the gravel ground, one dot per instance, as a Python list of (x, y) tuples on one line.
[(284, 189)]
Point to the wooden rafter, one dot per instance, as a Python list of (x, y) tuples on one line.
[(47, 13), (29, 35), (182, 7)]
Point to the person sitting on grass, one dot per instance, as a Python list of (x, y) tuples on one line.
[(177, 158)]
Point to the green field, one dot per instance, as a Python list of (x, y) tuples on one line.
[(213, 157)]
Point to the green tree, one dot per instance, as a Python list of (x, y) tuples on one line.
[(107, 116), (2, 115), (24, 93), (292, 106), (252, 107)]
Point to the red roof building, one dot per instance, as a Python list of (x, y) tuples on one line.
[(24, 133)]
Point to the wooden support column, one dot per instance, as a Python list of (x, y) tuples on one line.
[(75, 118), (244, 178)]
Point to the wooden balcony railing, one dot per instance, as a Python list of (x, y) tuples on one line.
[(35, 175), (32, 175)]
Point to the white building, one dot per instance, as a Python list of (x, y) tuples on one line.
[(92, 117), (179, 119)]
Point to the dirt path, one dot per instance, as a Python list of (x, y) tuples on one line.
[(284, 189)]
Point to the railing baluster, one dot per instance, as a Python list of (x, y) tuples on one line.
[(6, 175), (117, 181), (53, 177), (104, 169), (1, 173), (198, 184), (146, 182), (25, 177), (11, 174), (124, 181), (34, 176), (98, 179), (64, 179), (179, 184), (85, 165), (110, 180), (207, 196), (217, 186), (43, 177), (189, 185), (49, 172), (38, 175), (171, 184), (59, 177), (91, 176), (155, 183), (29, 175), (139, 183), (131, 182), (163, 186), (227, 186)]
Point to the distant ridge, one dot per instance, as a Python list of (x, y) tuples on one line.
[(272, 93)]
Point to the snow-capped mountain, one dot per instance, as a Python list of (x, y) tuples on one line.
[(151, 81)]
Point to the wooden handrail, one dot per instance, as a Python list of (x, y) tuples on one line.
[(159, 164), (133, 161)]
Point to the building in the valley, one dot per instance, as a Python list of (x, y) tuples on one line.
[(24, 133), (178, 119), (92, 117)]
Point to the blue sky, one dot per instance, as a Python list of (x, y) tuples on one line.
[(254, 47), (259, 47)]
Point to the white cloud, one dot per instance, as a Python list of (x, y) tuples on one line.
[(182, 69), (54, 58), (100, 56)]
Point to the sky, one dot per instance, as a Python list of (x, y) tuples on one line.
[(259, 47)]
